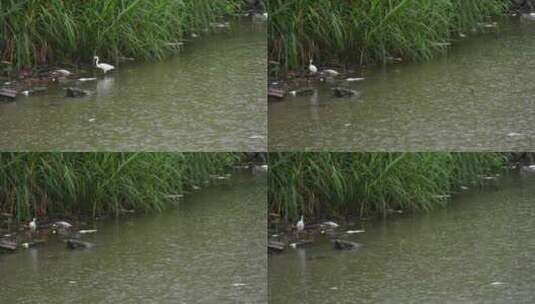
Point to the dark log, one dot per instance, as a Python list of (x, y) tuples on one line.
[(34, 243)]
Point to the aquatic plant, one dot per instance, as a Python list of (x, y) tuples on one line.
[(329, 184), (40, 32), (47, 184), (369, 31)]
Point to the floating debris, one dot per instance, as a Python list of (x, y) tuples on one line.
[(62, 72), (256, 137), (92, 119), (330, 72), (355, 231), (440, 44), (355, 79), (274, 246), (497, 283), (8, 245), (32, 244), (330, 224), (88, 231), (441, 196), (347, 125), (276, 93), (239, 284), (9, 94), (514, 134), (87, 79)]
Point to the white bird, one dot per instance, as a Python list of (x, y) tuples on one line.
[(103, 66), (312, 68), (33, 225), (300, 225)]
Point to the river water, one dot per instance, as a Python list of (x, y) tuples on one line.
[(480, 249), (211, 97), (211, 249), (477, 97)]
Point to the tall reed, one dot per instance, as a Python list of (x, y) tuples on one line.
[(369, 31), (38, 32), (328, 184), (44, 184)]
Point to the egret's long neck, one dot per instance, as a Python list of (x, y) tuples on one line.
[(96, 60)]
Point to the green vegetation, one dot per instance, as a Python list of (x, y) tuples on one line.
[(47, 184), (39, 32), (331, 184), (369, 31)]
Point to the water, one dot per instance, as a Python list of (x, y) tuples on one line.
[(478, 97), (211, 97), (453, 255), (194, 254)]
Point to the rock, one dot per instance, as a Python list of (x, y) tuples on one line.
[(345, 245), (75, 92), (75, 244), (343, 92)]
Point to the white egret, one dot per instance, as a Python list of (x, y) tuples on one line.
[(103, 66), (33, 225), (300, 225), (312, 68)]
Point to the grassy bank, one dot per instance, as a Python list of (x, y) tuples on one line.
[(42, 32), (369, 31), (48, 184), (331, 184)]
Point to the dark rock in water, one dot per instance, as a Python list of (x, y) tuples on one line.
[(8, 245), (75, 244), (75, 92), (8, 94), (345, 245), (343, 92)]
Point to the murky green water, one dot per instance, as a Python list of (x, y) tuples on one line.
[(211, 97), (195, 254), (452, 255), (478, 97)]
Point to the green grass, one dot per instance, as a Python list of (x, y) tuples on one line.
[(337, 184), (369, 31), (48, 184), (38, 32)]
